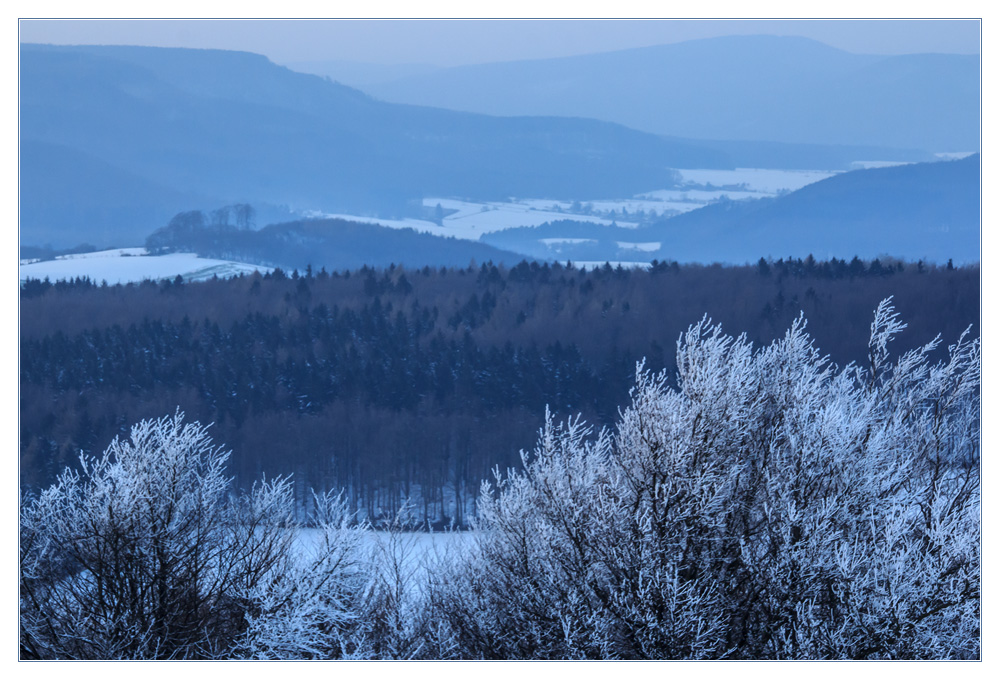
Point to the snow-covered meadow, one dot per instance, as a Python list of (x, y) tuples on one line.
[(462, 219), (415, 554), (757, 180), (133, 265), (586, 264), (470, 220)]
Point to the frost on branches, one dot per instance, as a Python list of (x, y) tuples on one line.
[(146, 554), (771, 507)]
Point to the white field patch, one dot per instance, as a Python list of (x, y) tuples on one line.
[(421, 226), (418, 553), (614, 265), (546, 204), (689, 199), (132, 265), (649, 247), (115, 252), (471, 220), (868, 165), (505, 218), (756, 179), (482, 218), (631, 206), (563, 241)]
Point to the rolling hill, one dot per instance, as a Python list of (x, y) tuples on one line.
[(331, 243), (752, 88), (927, 211), (234, 127)]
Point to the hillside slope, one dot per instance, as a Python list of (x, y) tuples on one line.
[(779, 89), (333, 244), (235, 127), (924, 210), (927, 211)]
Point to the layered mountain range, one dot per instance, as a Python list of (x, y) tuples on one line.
[(114, 140), (752, 87)]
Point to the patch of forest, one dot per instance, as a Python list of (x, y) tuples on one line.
[(399, 382)]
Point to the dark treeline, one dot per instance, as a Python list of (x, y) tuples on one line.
[(333, 242), (396, 383)]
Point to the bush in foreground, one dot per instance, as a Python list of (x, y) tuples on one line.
[(771, 507), (147, 554)]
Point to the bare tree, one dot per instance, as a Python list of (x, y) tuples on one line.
[(245, 215), (147, 554)]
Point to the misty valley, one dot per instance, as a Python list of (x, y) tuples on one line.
[(623, 355)]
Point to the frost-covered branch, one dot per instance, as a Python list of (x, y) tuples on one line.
[(773, 506)]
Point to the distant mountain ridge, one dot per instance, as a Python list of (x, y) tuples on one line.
[(754, 88), (233, 127)]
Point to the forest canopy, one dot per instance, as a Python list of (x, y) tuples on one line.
[(394, 383)]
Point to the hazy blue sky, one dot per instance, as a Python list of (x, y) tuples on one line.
[(449, 43)]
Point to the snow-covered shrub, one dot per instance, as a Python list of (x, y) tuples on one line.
[(147, 554), (772, 506), (397, 622)]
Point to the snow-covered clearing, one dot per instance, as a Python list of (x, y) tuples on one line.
[(132, 265), (649, 247), (501, 218), (689, 199), (954, 155), (470, 220), (623, 265), (756, 179), (867, 165), (422, 226), (482, 218), (561, 241), (417, 552), (634, 205), (115, 252)]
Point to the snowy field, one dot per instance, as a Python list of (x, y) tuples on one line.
[(562, 241), (615, 265), (647, 203), (483, 218), (689, 199), (867, 165), (474, 219), (132, 265), (469, 220), (650, 247), (756, 179), (422, 226), (417, 552)]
